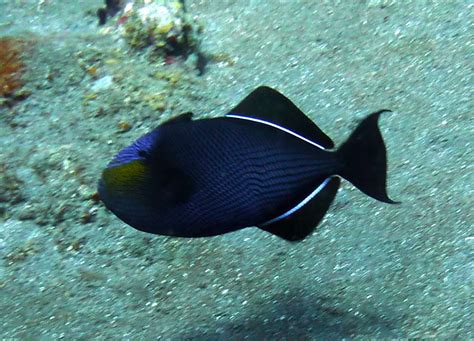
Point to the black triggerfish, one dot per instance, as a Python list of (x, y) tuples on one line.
[(263, 164)]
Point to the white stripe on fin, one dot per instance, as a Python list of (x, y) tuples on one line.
[(301, 204), (276, 126)]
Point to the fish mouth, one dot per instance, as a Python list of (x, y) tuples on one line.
[(107, 198), (105, 195), (101, 190)]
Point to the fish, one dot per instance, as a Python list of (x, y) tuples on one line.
[(264, 164)]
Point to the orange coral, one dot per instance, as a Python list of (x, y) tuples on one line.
[(11, 65)]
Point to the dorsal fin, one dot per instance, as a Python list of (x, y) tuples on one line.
[(269, 105), (187, 116), (299, 222)]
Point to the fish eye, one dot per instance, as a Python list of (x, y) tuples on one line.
[(143, 153)]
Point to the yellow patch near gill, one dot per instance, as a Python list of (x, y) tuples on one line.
[(125, 176)]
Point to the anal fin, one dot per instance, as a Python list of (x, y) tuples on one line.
[(298, 224)]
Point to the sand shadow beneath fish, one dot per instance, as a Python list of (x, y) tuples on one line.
[(297, 316)]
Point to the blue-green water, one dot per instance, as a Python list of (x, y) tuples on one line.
[(70, 269)]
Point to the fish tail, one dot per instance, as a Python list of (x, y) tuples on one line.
[(364, 158)]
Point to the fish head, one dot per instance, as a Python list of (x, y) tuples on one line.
[(123, 186), (142, 182)]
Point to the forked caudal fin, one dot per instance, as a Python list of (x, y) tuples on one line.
[(365, 159)]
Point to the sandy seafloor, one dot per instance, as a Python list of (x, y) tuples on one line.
[(70, 269)]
